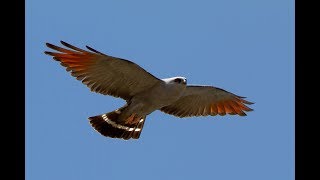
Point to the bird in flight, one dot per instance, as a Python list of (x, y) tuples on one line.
[(143, 92)]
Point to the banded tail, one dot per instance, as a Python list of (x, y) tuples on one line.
[(107, 125)]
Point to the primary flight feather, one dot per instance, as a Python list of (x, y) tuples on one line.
[(143, 92)]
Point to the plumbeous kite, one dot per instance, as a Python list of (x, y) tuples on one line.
[(143, 92)]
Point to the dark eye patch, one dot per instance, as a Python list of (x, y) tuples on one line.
[(178, 80)]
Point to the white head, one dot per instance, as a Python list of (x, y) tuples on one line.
[(176, 80)]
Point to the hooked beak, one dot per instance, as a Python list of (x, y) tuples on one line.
[(184, 81)]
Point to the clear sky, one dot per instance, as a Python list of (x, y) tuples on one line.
[(243, 46)]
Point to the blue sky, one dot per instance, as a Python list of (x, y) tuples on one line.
[(243, 46)]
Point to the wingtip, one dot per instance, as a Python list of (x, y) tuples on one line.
[(88, 47), (55, 58), (249, 110), (49, 53), (49, 45), (64, 43), (91, 49), (248, 102), (245, 101), (242, 97), (243, 114)]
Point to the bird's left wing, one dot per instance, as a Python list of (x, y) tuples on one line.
[(207, 100), (102, 73)]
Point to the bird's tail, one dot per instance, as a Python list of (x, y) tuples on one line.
[(109, 125)]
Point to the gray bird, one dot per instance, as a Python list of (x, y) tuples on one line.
[(143, 92)]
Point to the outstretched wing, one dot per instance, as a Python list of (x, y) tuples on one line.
[(102, 73), (207, 100)]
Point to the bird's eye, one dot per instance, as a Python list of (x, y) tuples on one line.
[(178, 80)]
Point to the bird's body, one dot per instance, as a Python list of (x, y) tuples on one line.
[(164, 93), (143, 92), (145, 102)]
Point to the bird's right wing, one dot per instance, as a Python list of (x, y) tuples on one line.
[(102, 73), (207, 100)]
